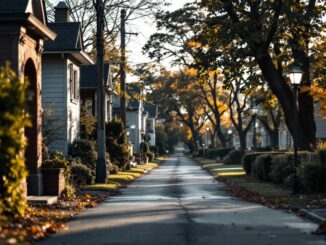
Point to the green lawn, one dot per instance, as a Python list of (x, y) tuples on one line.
[(220, 169), (121, 179)]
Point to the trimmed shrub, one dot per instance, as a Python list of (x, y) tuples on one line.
[(113, 169), (57, 160), (150, 156), (281, 168), (85, 150), (234, 157), (117, 144), (311, 178), (262, 166), (13, 119), (81, 175), (249, 158), (144, 147)]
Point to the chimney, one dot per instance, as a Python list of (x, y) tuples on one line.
[(62, 13)]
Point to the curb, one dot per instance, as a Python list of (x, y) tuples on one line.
[(312, 216)]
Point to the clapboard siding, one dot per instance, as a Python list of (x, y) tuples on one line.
[(54, 96), (321, 128)]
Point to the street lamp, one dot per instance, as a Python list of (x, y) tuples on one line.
[(255, 112), (230, 135), (295, 74), (207, 131)]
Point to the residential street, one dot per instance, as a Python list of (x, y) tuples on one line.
[(181, 204)]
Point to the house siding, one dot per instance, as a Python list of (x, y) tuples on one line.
[(54, 96)]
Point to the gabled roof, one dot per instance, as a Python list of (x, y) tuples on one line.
[(88, 75), (68, 41), (28, 13), (151, 110), (35, 7), (68, 38)]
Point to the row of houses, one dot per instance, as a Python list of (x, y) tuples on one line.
[(62, 77), (285, 140)]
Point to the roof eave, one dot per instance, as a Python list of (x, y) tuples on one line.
[(40, 28)]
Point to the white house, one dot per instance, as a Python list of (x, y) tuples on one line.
[(61, 76), (135, 117), (151, 111)]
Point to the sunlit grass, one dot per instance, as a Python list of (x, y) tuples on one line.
[(111, 186), (233, 173)]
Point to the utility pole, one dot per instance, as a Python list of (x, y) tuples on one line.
[(123, 69), (101, 171)]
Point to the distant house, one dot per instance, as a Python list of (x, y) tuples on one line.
[(23, 30), (135, 117), (88, 87), (151, 111), (61, 77)]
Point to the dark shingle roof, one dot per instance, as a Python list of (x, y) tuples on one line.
[(67, 37), (13, 6), (88, 75), (151, 110)]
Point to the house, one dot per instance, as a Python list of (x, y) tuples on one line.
[(88, 88), (61, 77), (135, 117), (23, 31), (151, 111)]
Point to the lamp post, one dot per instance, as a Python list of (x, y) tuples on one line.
[(207, 131), (255, 111), (295, 74), (230, 135)]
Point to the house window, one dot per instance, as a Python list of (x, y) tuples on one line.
[(148, 124), (73, 79)]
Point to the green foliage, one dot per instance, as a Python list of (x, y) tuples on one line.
[(249, 158), (150, 155), (262, 166), (69, 191), (311, 178), (233, 157), (281, 168), (58, 160), (116, 144), (85, 150), (87, 123), (144, 147), (113, 169), (13, 119), (81, 175)]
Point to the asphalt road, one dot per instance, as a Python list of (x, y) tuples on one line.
[(181, 204)]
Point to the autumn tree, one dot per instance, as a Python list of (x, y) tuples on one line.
[(267, 30), (176, 94)]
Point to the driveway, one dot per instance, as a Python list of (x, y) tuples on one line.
[(181, 204)]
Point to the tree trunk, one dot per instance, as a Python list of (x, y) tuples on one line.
[(284, 94)]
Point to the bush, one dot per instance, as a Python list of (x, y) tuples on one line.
[(12, 121), (81, 175), (144, 147), (281, 168), (262, 166), (116, 144), (218, 153), (234, 157), (113, 169), (249, 158), (57, 160), (311, 178), (85, 150), (150, 156)]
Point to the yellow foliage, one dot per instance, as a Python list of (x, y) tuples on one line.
[(319, 95)]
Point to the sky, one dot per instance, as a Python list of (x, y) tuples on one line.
[(144, 28)]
